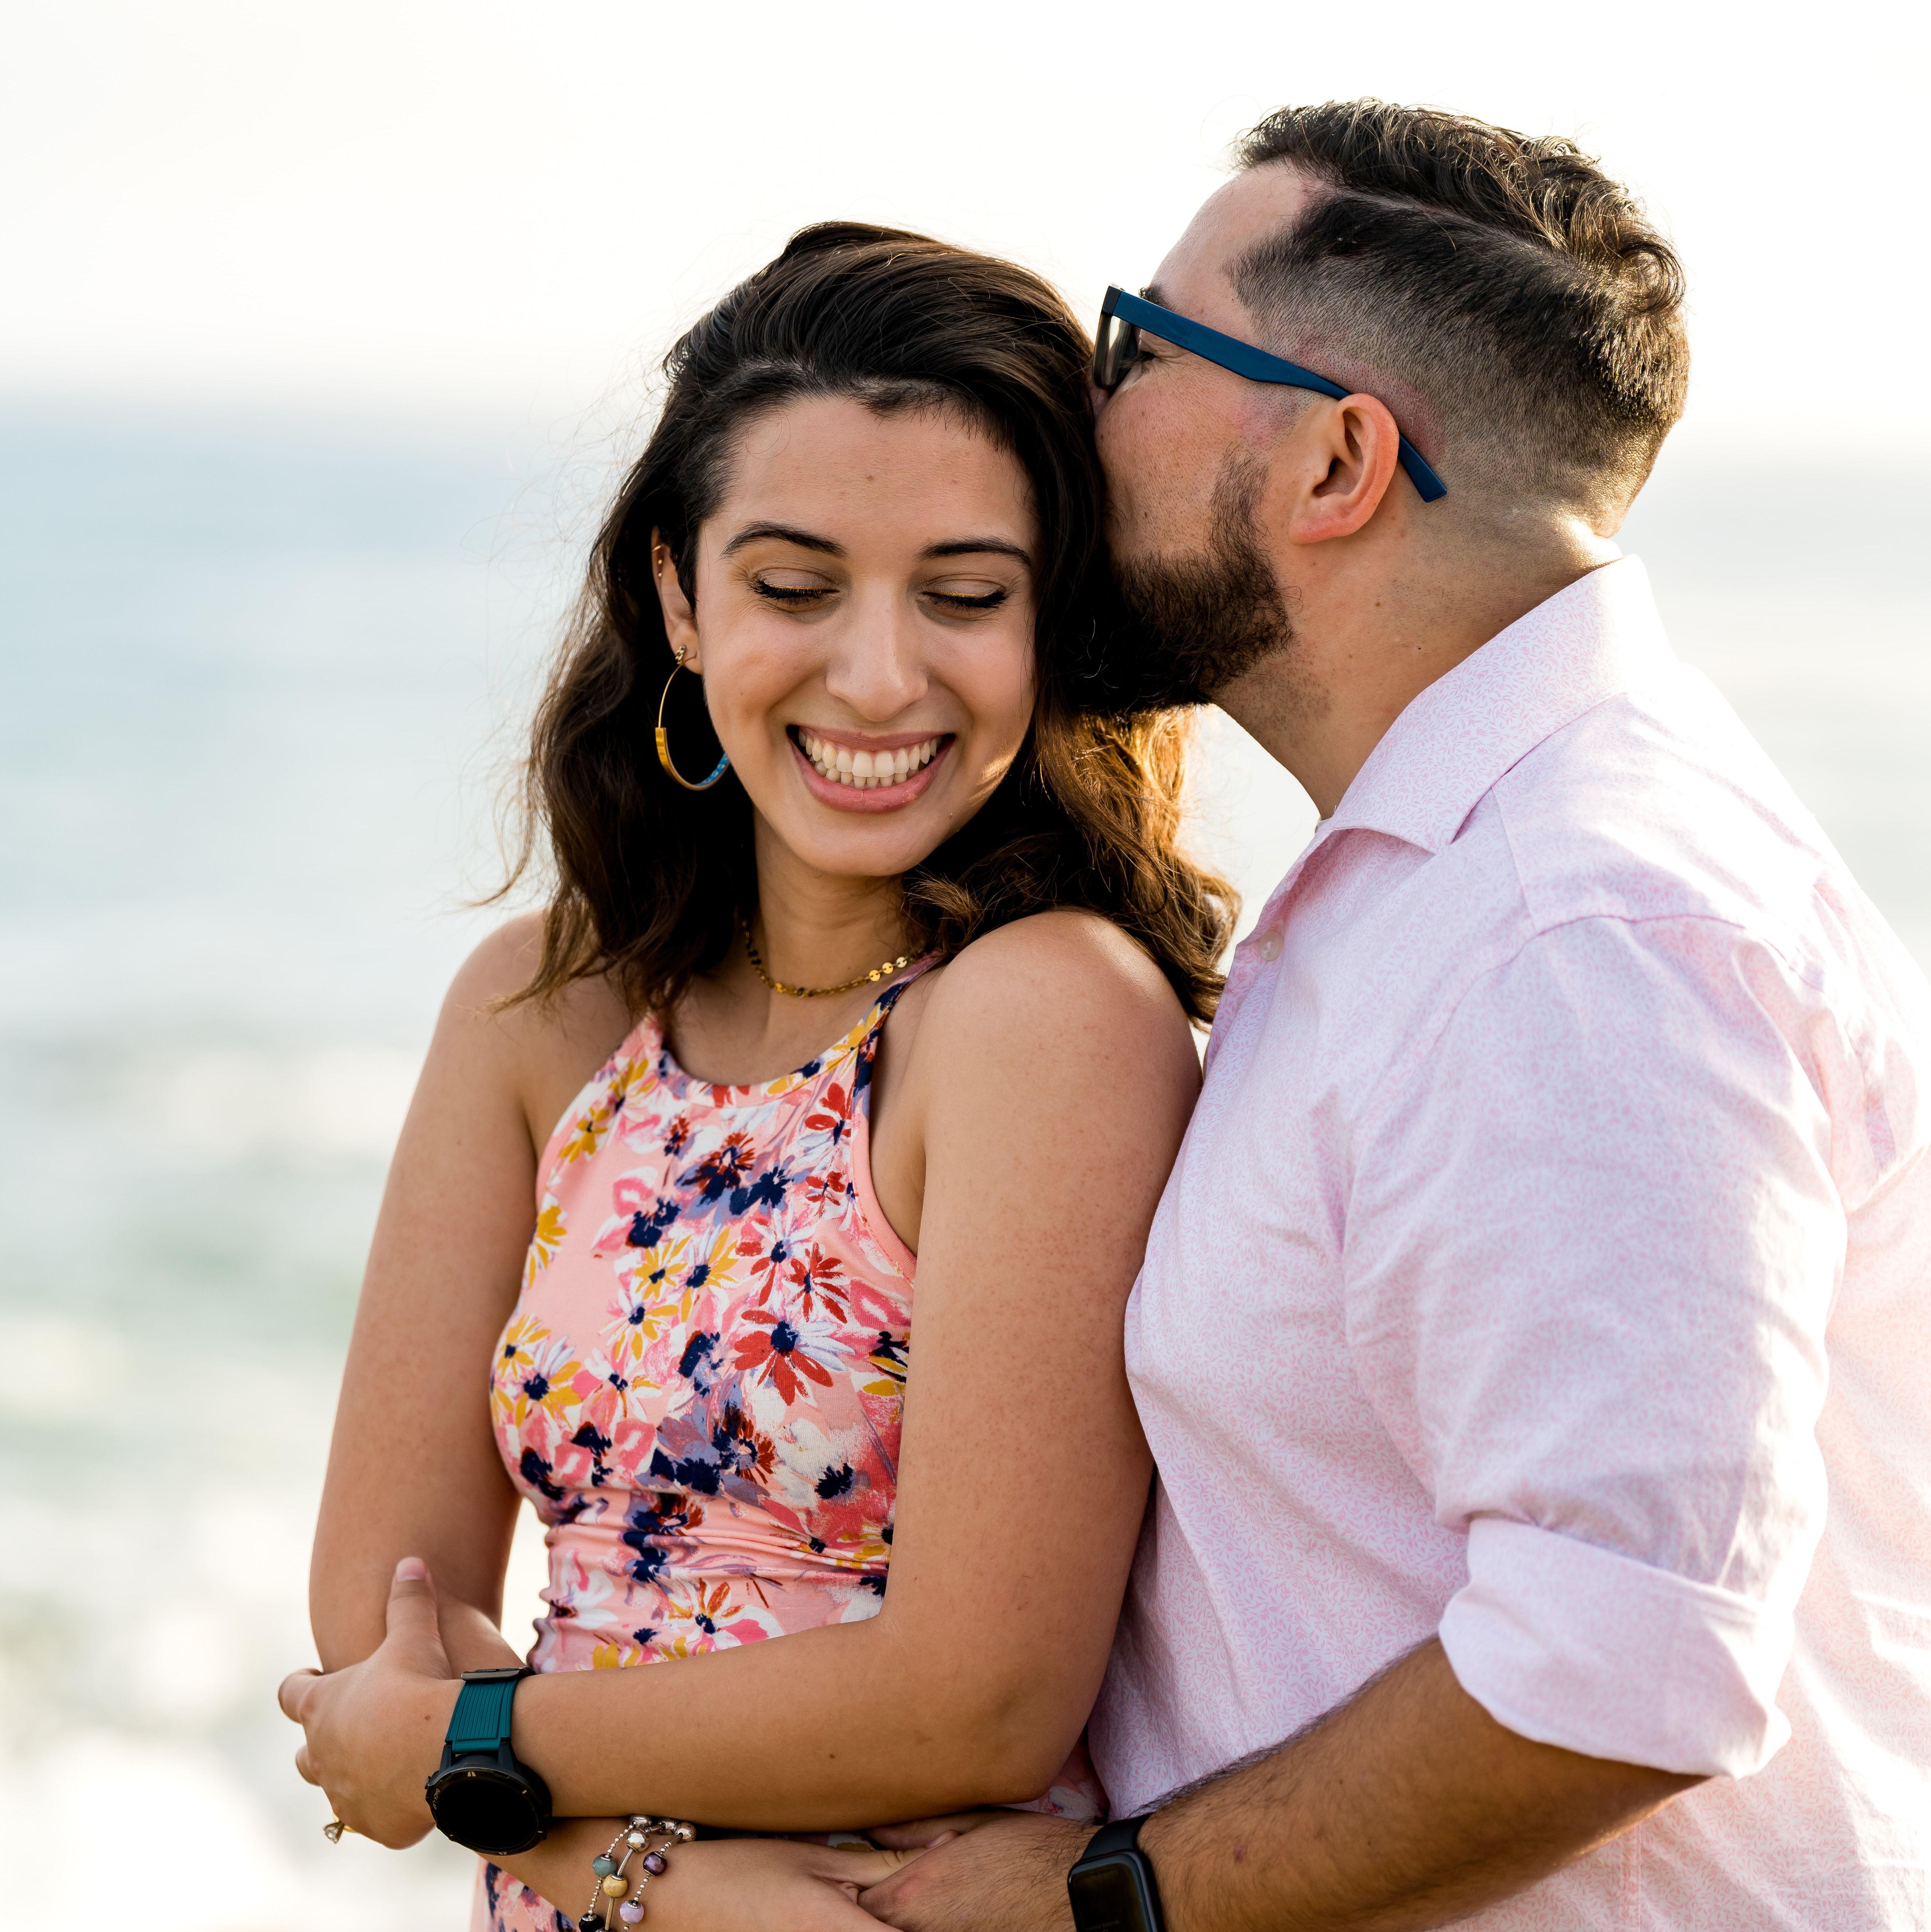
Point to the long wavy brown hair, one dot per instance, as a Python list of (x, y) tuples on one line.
[(649, 878)]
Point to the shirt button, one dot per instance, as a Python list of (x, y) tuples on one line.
[(1268, 947)]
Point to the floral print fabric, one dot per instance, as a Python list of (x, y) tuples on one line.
[(699, 1388)]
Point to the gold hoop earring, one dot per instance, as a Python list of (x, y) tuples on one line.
[(664, 739)]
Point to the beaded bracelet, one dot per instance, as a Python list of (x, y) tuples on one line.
[(612, 1884)]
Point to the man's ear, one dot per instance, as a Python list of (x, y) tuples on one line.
[(680, 621), (1350, 463)]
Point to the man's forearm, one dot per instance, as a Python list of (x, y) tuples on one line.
[(1408, 1807)]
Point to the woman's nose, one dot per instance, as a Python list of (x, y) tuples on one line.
[(877, 667)]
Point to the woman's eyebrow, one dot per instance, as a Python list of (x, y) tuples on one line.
[(784, 532), (809, 540), (977, 546)]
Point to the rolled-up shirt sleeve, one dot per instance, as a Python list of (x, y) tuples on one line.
[(1592, 1239)]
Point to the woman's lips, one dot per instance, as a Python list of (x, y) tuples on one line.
[(892, 796)]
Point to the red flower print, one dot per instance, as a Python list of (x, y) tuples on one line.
[(766, 1251), (817, 1278), (723, 1168), (826, 1191), (832, 1117), (787, 1354)]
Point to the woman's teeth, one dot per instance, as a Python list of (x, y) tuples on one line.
[(866, 770)]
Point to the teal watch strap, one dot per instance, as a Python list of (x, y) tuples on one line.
[(480, 1721)]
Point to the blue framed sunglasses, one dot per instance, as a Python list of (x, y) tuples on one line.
[(1117, 348)]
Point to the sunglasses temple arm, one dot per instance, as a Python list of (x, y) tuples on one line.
[(1429, 487)]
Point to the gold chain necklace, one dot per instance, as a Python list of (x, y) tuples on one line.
[(904, 960)]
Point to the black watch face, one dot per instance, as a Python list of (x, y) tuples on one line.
[(1109, 1895), (480, 1805)]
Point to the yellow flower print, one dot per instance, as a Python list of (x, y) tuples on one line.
[(639, 1078), (865, 1549), (535, 1371), (715, 1268), (888, 1357), (631, 1081), (550, 1229), (587, 1132), (615, 1656), (516, 1349), (646, 1304)]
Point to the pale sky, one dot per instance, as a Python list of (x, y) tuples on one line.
[(500, 213)]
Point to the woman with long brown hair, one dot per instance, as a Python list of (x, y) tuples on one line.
[(870, 956)]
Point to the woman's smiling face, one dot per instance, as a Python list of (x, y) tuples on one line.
[(864, 624)]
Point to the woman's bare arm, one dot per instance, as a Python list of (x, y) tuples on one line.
[(1055, 1076), (413, 1468)]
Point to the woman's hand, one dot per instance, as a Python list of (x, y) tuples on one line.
[(768, 1885), (373, 1733), (717, 1884)]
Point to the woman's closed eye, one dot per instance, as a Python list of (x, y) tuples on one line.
[(962, 598), (799, 590), (803, 592), (959, 601)]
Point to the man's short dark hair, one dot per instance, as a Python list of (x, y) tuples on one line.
[(1524, 296)]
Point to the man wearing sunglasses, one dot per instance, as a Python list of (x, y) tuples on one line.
[(1553, 1236)]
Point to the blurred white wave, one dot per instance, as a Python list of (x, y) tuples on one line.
[(195, 1847), (149, 1605), (228, 1106)]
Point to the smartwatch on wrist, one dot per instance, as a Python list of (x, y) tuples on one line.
[(480, 1795), (1112, 1887)]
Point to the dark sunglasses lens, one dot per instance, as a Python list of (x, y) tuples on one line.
[(1102, 352), (1117, 350)]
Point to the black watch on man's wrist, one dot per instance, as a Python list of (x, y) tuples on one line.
[(1112, 1887), (481, 1795)]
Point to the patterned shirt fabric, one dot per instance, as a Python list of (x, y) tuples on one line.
[(1548, 1265), (699, 1390)]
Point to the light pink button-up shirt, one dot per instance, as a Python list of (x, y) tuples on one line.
[(1548, 1265)]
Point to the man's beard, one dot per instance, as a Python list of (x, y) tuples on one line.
[(1186, 630)]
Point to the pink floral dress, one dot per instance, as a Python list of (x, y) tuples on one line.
[(699, 1388)]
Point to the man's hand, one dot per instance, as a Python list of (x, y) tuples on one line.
[(1008, 1873), (1408, 1807), (373, 1733)]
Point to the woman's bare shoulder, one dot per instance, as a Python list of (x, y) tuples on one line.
[(1060, 989), (543, 1048)]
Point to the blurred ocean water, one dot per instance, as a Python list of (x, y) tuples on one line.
[(248, 690), (255, 690)]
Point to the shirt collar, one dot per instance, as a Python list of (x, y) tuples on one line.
[(1599, 637)]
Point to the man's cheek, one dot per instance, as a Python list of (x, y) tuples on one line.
[(1162, 522)]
